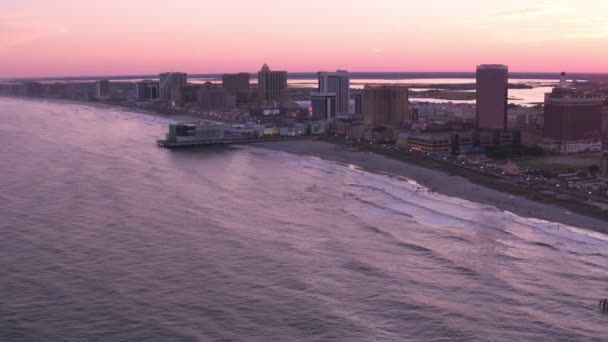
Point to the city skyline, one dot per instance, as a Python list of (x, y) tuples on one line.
[(395, 36)]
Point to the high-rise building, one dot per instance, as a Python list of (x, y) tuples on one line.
[(102, 89), (572, 115), (338, 83), (272, 86), (324, 105), (212, 96), (146, 90), (185, 94), (237, 85), (572, 120), (358, 98), (492, 96), (385, 105), (169, 80)]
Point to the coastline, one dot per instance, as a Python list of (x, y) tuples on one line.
[(136, 110), (441, 182)]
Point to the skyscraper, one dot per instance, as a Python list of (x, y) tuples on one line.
[(169, 80), (272, 86), (237, 85), (324, 105), (492, 96), (102, 89), (338, 83), (385, 105)]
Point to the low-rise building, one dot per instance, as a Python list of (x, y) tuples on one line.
[(461, 142), (604, 166), (188, 132), (427, 142), (378, 134), (487, 138), (570, 147), (432, 143)]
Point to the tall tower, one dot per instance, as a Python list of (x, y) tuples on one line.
[(338, 83), (170, 80), (385, 105), (492, 95), (272, 86)]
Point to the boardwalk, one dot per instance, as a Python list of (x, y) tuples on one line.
[(225, 141)]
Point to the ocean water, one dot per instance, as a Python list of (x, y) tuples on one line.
[(106, 237)]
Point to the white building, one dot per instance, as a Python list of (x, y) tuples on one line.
[(569, 147), (170, 80), (338, 83)]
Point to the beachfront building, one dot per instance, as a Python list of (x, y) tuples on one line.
[(237, 85), (272, 87), (492, 94), (445, 142), (572, 120), (168, 81), (385, 106), (212, 96), (185, 94), (324, 106), (102, 89), (337, 83), (428, 142), (146, 90)]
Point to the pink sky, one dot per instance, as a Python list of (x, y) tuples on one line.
[(69, 38)]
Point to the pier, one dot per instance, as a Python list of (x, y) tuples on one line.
[(225, 141)]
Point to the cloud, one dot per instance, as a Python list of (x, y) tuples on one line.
[(532, 12), (543, 22), (19, 28)]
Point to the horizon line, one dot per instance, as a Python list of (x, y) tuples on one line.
[(199, 74)]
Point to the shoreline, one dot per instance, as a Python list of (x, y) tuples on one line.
[(136, 110), (436, 180), (439, 181)]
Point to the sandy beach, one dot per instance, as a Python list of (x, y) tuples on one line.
[(443, 183), (453, 186)]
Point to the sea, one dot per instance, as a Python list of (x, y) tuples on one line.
[(107, 237)]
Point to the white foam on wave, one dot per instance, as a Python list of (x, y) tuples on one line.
[(429, 208)]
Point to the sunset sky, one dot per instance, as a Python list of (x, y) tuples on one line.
[(111, 37)]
